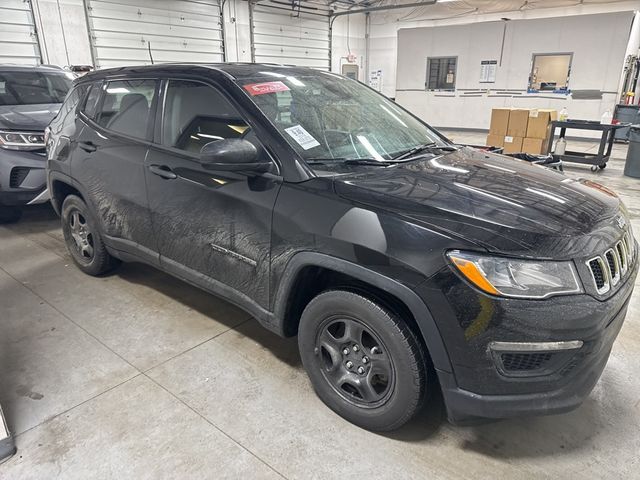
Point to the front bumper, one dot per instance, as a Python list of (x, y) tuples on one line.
[(22, 178), (470, 321)]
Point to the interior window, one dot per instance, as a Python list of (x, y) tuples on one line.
[(441, 73), (550, 72), (126, 105), (196, 114)]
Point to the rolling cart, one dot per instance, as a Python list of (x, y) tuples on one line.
[(598, 160), (7, 446)]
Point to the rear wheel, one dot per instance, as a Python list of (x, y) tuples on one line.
[(363, 360), (83, 239)]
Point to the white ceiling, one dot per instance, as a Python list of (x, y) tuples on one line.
[(460, 7)]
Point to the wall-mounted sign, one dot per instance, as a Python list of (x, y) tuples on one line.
[(488, 70), (375, 80)]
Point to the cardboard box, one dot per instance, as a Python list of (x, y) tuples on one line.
[(499, 121), (518, 121), (540, 122), (495, 140), (535, 146), (512, 144)]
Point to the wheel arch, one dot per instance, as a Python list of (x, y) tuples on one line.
[(305, 277), (61, 186)]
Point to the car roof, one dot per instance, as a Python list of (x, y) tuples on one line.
[(11, 67), (238, 71)]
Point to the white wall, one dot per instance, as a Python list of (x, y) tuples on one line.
[(385, 25), (355, 25), (598, 43), (64, 39)]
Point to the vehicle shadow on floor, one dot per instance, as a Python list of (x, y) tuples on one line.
[(541, 436)]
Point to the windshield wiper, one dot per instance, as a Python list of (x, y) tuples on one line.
[(349, 161), (425, 146)]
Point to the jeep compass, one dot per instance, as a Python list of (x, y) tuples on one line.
[(329, 212)]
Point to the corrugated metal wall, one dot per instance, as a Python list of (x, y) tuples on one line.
[(18, 38), (291, 32), (188, 31)]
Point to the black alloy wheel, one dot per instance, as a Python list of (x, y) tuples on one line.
[(364, 361), (354, 361), (83, 239)]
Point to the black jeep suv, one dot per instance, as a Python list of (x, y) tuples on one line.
[(329, 212)]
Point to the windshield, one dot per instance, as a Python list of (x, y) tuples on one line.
[(329, 119), (28, 88)]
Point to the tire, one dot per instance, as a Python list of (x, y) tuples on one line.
[(10, 214), (363, 361), (83, 239)]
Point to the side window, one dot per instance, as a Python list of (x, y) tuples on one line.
[(126, 106), (67, 110), (196, 114), (91, 103)]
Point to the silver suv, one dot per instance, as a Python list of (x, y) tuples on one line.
[(30, 96)]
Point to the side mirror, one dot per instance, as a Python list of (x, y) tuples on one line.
[(232, 155)]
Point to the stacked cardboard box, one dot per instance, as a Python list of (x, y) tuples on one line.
[(538, 130), (520, 130)]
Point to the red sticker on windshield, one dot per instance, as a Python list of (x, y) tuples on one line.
[(267, 87)]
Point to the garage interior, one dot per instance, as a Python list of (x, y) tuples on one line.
[(137, 374)]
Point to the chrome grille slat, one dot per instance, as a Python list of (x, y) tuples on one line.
[(613, 266), (621, 252), (599, 275)]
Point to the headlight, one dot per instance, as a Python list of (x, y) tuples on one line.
[(510, 277), (21, 140)]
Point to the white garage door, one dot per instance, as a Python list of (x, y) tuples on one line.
[(294, 33), (18, 39), (186, 31)]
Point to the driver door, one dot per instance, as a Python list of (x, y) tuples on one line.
[(211, 226)]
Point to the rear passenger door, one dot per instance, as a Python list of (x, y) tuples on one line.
[(109, 163)]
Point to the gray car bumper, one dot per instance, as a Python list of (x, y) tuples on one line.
[(22, 178)]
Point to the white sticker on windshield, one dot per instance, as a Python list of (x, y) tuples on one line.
[(302, 137)]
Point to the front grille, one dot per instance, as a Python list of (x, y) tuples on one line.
[(17, 176), (520, 362), (608, 269)]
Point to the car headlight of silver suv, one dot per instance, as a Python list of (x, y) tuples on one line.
[(11, 140), (516, 278)]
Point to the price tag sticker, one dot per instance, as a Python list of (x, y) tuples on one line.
[(266, 87), (302, 137)]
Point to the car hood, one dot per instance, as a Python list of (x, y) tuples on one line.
[(27, 117), (501, 203)]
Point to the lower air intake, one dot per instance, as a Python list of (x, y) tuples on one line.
[(522, 362)]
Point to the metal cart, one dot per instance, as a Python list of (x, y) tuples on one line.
[(598, 160), (7, 446)]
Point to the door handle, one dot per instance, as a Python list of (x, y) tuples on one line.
[(162, 171), (88, 146)]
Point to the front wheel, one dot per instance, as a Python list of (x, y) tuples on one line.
[(363, 360)]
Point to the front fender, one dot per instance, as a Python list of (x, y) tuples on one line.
[(408, 297)]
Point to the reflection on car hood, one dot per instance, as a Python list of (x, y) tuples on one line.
[(27, 117), (501, 203)]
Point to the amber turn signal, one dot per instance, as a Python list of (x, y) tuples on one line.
[(472, 273)]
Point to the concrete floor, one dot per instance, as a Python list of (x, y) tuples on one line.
[(137, 375)]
